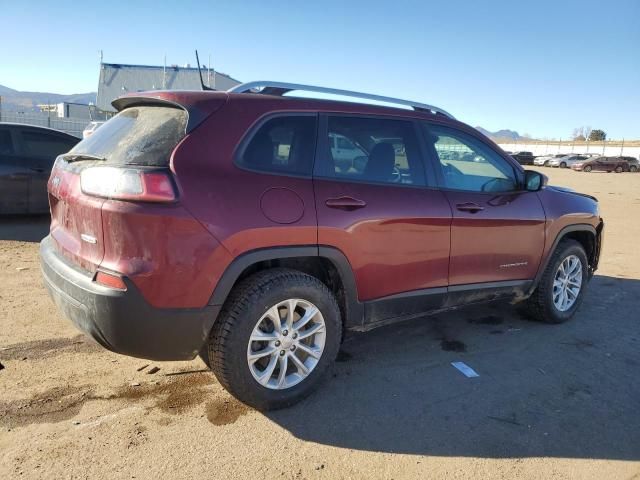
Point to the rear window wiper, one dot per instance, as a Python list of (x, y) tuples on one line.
[(74, 157)]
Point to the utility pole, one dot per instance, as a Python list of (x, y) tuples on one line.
[(622, 146), (164, 73)]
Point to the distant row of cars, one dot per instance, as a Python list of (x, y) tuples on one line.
[(585, 162)]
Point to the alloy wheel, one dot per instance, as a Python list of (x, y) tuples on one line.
[(286, 344), (567, 283)]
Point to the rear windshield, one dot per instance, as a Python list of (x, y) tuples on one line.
[(137, 136)]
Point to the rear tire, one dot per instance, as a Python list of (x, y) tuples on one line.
[(563, 165), (618, 169), (247, 314), (633, 169), (546, 303)]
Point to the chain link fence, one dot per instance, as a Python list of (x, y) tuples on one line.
[(72, 126)]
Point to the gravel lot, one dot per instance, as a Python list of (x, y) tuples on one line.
[(551, 401)]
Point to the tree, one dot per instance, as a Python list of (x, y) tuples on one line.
[(597, 136), (577, 133), (580, 134)]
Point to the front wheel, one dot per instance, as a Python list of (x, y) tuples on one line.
[(561, 288), (618, 169), (276, 336), (563, 165), (633, 169), (587, 169)]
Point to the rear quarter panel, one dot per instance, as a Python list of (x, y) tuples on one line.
[(227, 199)]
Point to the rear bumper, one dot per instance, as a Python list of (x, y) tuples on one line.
[(122, 321)]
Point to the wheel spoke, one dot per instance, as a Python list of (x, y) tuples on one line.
[(302, 368), (254, 356), (291, 308), (317, 328), (309, 351), (274, 316), (284, 363), (260, 336), (308, 315), (564, 300), (265, 376)]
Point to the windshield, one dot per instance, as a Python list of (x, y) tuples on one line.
[(137, 136)]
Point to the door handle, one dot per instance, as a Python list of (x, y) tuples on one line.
[(469, 207), (345, 203)]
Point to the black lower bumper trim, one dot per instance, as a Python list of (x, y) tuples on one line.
[(123, 321)]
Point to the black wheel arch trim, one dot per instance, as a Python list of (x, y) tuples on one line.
[(579, 227), (354, 314)]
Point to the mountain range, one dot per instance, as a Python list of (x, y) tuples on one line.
[(15, 100), (501, 134)]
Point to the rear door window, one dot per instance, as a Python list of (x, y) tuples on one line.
[(372, 150), (283, 144), (6, 142), (44, 145), (144, 136)]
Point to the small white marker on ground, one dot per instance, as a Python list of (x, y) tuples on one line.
[(465, 369)]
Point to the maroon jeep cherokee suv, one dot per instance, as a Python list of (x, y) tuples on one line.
[(254, 229)]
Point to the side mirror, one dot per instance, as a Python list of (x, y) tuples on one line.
[(534, 181)]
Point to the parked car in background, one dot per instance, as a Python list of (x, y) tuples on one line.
[(566, 161), (90, 128), (544, 160), (224, 224), (608, 164), (524, 158), (27, 154)]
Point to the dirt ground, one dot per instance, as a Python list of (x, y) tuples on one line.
[(550, 402)]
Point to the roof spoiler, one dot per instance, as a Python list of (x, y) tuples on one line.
[(197, 111)]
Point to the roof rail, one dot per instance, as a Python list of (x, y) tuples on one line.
[(280, 88)]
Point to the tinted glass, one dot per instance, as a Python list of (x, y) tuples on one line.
[(282, 145), (45, 145), (373, 150), (6, 144), (468, 164), (137, 136)]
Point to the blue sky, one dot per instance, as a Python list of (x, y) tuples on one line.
[(541, 67)]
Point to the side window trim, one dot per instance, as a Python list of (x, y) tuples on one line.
[(322, 169), (435, 159), (255, 128)]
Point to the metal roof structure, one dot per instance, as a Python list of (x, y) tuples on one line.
[(118, 79)]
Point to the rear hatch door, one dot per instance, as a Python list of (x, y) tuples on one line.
[(141, 136)]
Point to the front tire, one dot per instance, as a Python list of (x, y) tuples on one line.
[(561, 288), (587, 169), (277, 334), (618, 169), (633, 169), (563, 165)]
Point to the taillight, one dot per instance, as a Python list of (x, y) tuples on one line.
[(127, 184)]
